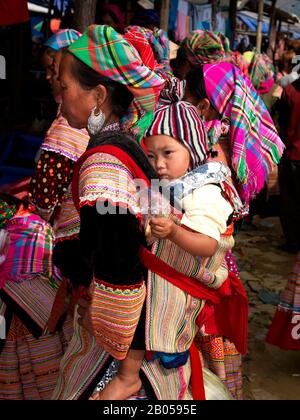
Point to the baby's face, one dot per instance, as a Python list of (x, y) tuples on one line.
[(169, 157)]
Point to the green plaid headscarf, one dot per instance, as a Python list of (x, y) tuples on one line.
[(201, 47), (110, 54)]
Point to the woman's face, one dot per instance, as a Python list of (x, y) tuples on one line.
[(77, 103), (50, 62)]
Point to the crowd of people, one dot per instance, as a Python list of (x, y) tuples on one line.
[(112, 289)]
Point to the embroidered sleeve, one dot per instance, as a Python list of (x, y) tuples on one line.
[(105, 179), (50, 181)]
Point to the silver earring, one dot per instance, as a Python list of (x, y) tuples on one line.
[(96, 121)]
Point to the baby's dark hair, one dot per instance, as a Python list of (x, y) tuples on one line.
[(120, 97)]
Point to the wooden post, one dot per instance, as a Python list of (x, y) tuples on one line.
[(214, 11), (259, 25), (232, 15), (164, 14), (272, 30), (85, 11)]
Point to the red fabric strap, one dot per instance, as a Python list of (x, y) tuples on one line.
[(197, 382), (134, 169), (226, 310), (188, 284)]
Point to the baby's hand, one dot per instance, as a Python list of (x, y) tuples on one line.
[(162, 227)]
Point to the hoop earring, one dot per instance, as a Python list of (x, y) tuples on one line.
[(96, 121)]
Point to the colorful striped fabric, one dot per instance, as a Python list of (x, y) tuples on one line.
[(181, 121), (65, 140), (171, 312), (30, 250), (255, 144), (103, 177), (85, 359), (222, 358), (67, 224), (115, 314), (111, 55), (35, 296), (29, 367), (284, 331), (62, 39)]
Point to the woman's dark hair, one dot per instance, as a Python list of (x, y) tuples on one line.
[(195, 83), (120, 97)]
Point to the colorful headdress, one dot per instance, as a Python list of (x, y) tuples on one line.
[(137, 37), (201, 47), (181, 121), (261, 72), (111, 55), (160, 45), (255, 144), (62, 39)]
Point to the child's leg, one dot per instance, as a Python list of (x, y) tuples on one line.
[(127, 381)]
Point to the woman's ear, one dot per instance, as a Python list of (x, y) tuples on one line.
[(203, 107), (101, 95)]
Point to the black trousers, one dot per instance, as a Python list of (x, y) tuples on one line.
[(289, 182)]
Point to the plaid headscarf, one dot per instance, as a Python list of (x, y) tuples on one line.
[(255, 144), (201, 47), (181, 121), (206, 47), (159, 43), (62, 39), (111, 55), (261, 72), (138, 37)]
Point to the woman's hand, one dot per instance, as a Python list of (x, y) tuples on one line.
[(163, 227)]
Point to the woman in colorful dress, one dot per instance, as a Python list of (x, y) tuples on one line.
[(30, 354), (110, 236), (36, 314), (62, 145)]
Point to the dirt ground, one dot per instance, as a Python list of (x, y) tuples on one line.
[(269, 373)]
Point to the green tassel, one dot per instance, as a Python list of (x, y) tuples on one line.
[(143, 124)]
